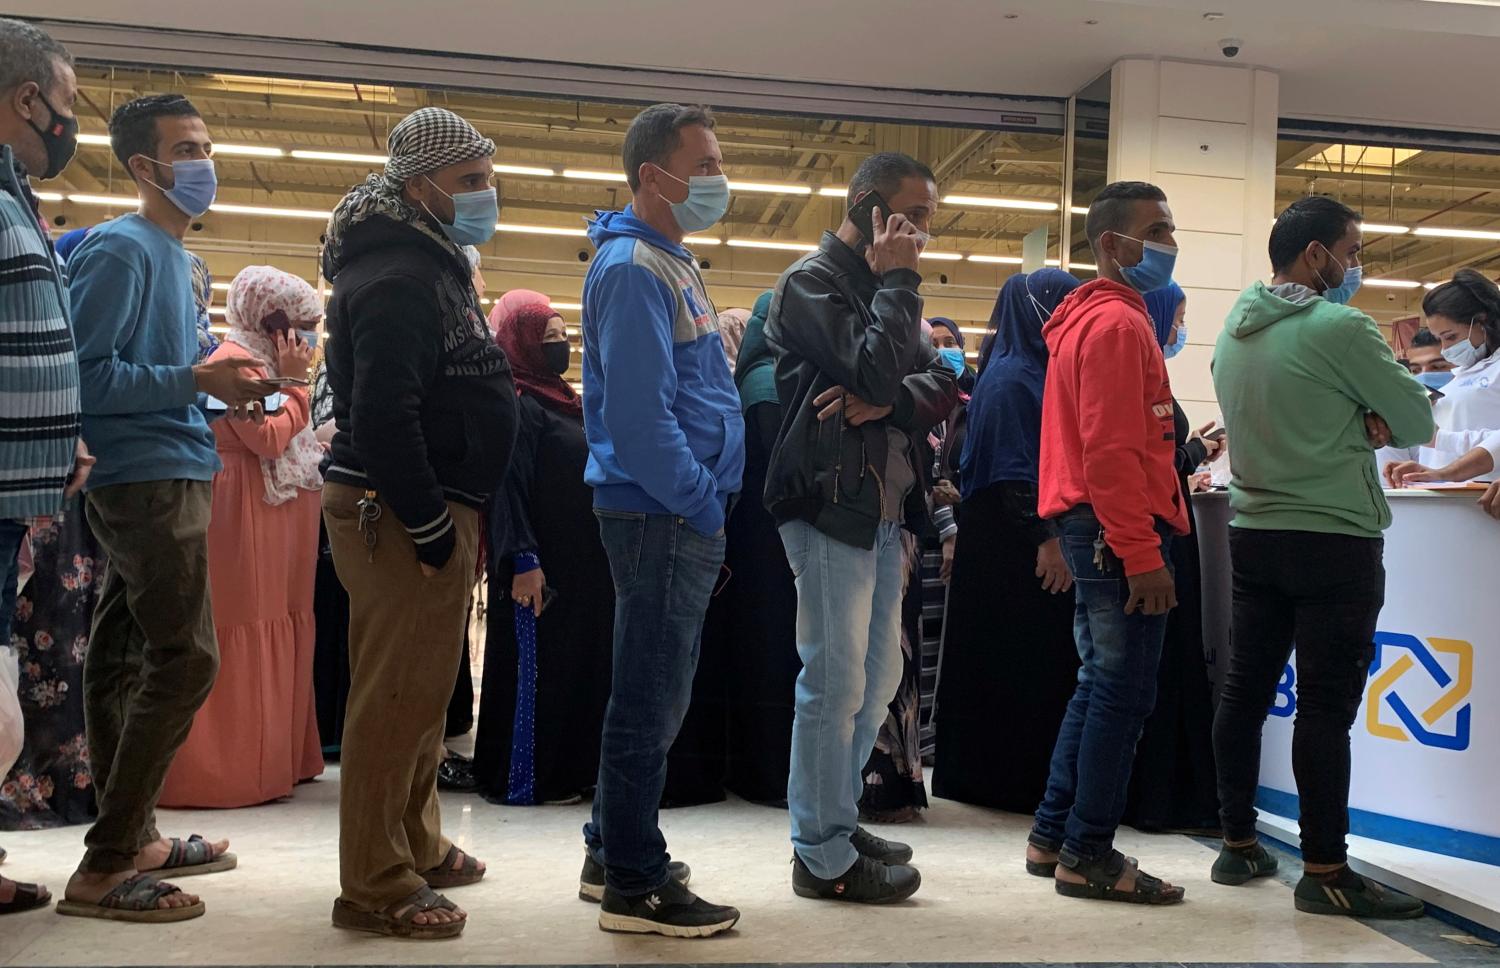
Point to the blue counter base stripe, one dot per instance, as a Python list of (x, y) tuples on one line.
[(1394, 830)]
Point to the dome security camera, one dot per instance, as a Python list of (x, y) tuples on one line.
[(705, 265), (1230, 47), (583, 255)]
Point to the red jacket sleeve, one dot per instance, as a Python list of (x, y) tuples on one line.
[(1111, 390)]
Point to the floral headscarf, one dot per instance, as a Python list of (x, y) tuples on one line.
[(256, 293), (732, 324), (203, 295)]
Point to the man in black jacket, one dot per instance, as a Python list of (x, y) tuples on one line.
[(860, 387), (425, 409)]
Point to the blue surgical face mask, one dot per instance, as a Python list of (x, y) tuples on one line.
[(955, 360), (1435, 381), (194, 185), (707, 201), (474, 215), (1343, 294), (1154, 271), (1176, 347)]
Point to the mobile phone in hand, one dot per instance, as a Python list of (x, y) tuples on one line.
[(1217, 435), (283, 381)]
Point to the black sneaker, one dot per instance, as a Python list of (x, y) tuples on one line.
[(1241, 865), (867, 882), (1347, 894), (591, 881), (673, 911), (878, 848)]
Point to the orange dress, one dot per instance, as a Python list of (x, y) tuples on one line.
[(257, 735)]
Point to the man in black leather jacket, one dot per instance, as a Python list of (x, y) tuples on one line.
[(860, 388)]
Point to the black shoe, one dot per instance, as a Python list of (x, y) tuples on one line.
[(591, 881), (456, 774), (1352, 896), (867, 882), (877, 848), (673, 911), (1241, 865)]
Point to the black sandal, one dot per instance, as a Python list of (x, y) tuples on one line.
[(445, 875), (1101, 876), (28, 897), (400, 925), (1042, 868)]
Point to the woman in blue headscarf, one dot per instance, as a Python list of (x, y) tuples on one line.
[(1172, 785), (1009, 663)]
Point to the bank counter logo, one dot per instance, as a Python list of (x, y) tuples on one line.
[(1411, 691)]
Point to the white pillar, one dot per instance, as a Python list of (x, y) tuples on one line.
[(1207, 135)]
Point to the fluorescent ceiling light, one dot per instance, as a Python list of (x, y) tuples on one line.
[(1079, 209), (834, 191), (1442, 233), (971, 356), (1392, 284), (539, 229), (94, 139), (271, 211), (943, 256), (1004, 260), (769, 244), (1085, 266), (701, 240), (350, 156), (1375, 228), (524, 170), (973, 330), (251, 151), (770, 188), (590, 175), (48, 196), (567, 305), (1024, 204), (105, 200)]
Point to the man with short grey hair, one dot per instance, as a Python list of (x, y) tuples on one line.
[(42, 458)]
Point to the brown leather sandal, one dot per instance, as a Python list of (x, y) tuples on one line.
[(135, 900), (392, 924), (445, 875), (28, 897)]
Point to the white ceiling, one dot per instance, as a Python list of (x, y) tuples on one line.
[(1413, 62)]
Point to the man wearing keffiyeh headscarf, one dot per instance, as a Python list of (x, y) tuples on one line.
[(425, 411)]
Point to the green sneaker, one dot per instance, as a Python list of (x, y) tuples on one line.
[(1347, 894), (1236, 866)]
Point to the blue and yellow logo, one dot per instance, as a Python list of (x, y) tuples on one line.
[(1391, 686), (1385, 692)]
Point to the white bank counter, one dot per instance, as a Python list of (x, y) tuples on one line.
[(1425, 797)]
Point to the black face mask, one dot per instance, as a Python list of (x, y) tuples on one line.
[(557, 355), (59, 137)]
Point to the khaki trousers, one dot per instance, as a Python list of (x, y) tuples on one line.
[(405, 643), (152, 656)]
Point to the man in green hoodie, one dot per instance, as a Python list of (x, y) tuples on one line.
[(1307, 387)]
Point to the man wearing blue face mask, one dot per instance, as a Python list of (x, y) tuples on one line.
[(153, 654), (425, 412), (666, 456)]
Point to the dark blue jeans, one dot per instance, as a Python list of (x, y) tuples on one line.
[(664, 574), (1116, 692), (12, 533)]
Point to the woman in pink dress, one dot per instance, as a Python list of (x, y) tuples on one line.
[(256, 737)]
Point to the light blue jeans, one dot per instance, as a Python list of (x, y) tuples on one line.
[(849, 638)]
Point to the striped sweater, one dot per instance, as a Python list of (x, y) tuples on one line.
[(39, 408)]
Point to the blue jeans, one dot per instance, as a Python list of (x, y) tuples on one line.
[(664, 574), (849, 638), (1116, 692), (12, 533)]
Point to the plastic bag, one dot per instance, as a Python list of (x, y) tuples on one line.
[(12, 726)]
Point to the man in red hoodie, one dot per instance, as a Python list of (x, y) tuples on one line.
[(1109, 481)]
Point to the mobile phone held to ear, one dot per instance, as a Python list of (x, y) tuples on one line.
[(861, 215)]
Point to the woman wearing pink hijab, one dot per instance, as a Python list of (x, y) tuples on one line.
[(257, 736)]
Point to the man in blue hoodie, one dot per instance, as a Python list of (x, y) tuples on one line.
[(666, 455)]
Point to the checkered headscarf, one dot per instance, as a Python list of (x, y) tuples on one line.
[(432, 138)]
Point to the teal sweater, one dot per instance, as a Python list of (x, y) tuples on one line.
[(1295, 376), (38, 368)]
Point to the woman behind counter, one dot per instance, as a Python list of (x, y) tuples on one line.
[(547, 664), (1464, 315), (257, 737)]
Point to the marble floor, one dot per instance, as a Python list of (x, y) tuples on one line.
[(976, 906)]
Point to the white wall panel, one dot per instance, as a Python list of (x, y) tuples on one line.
[(1205, 92), (1208, 260), (1205, 204), (1201, 147)]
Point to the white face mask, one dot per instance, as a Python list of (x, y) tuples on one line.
[(1464, 352)]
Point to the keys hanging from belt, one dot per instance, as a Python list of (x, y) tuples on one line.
[(1101, 553), (369, 514)]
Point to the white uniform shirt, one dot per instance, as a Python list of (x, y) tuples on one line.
[(1468, 416)]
